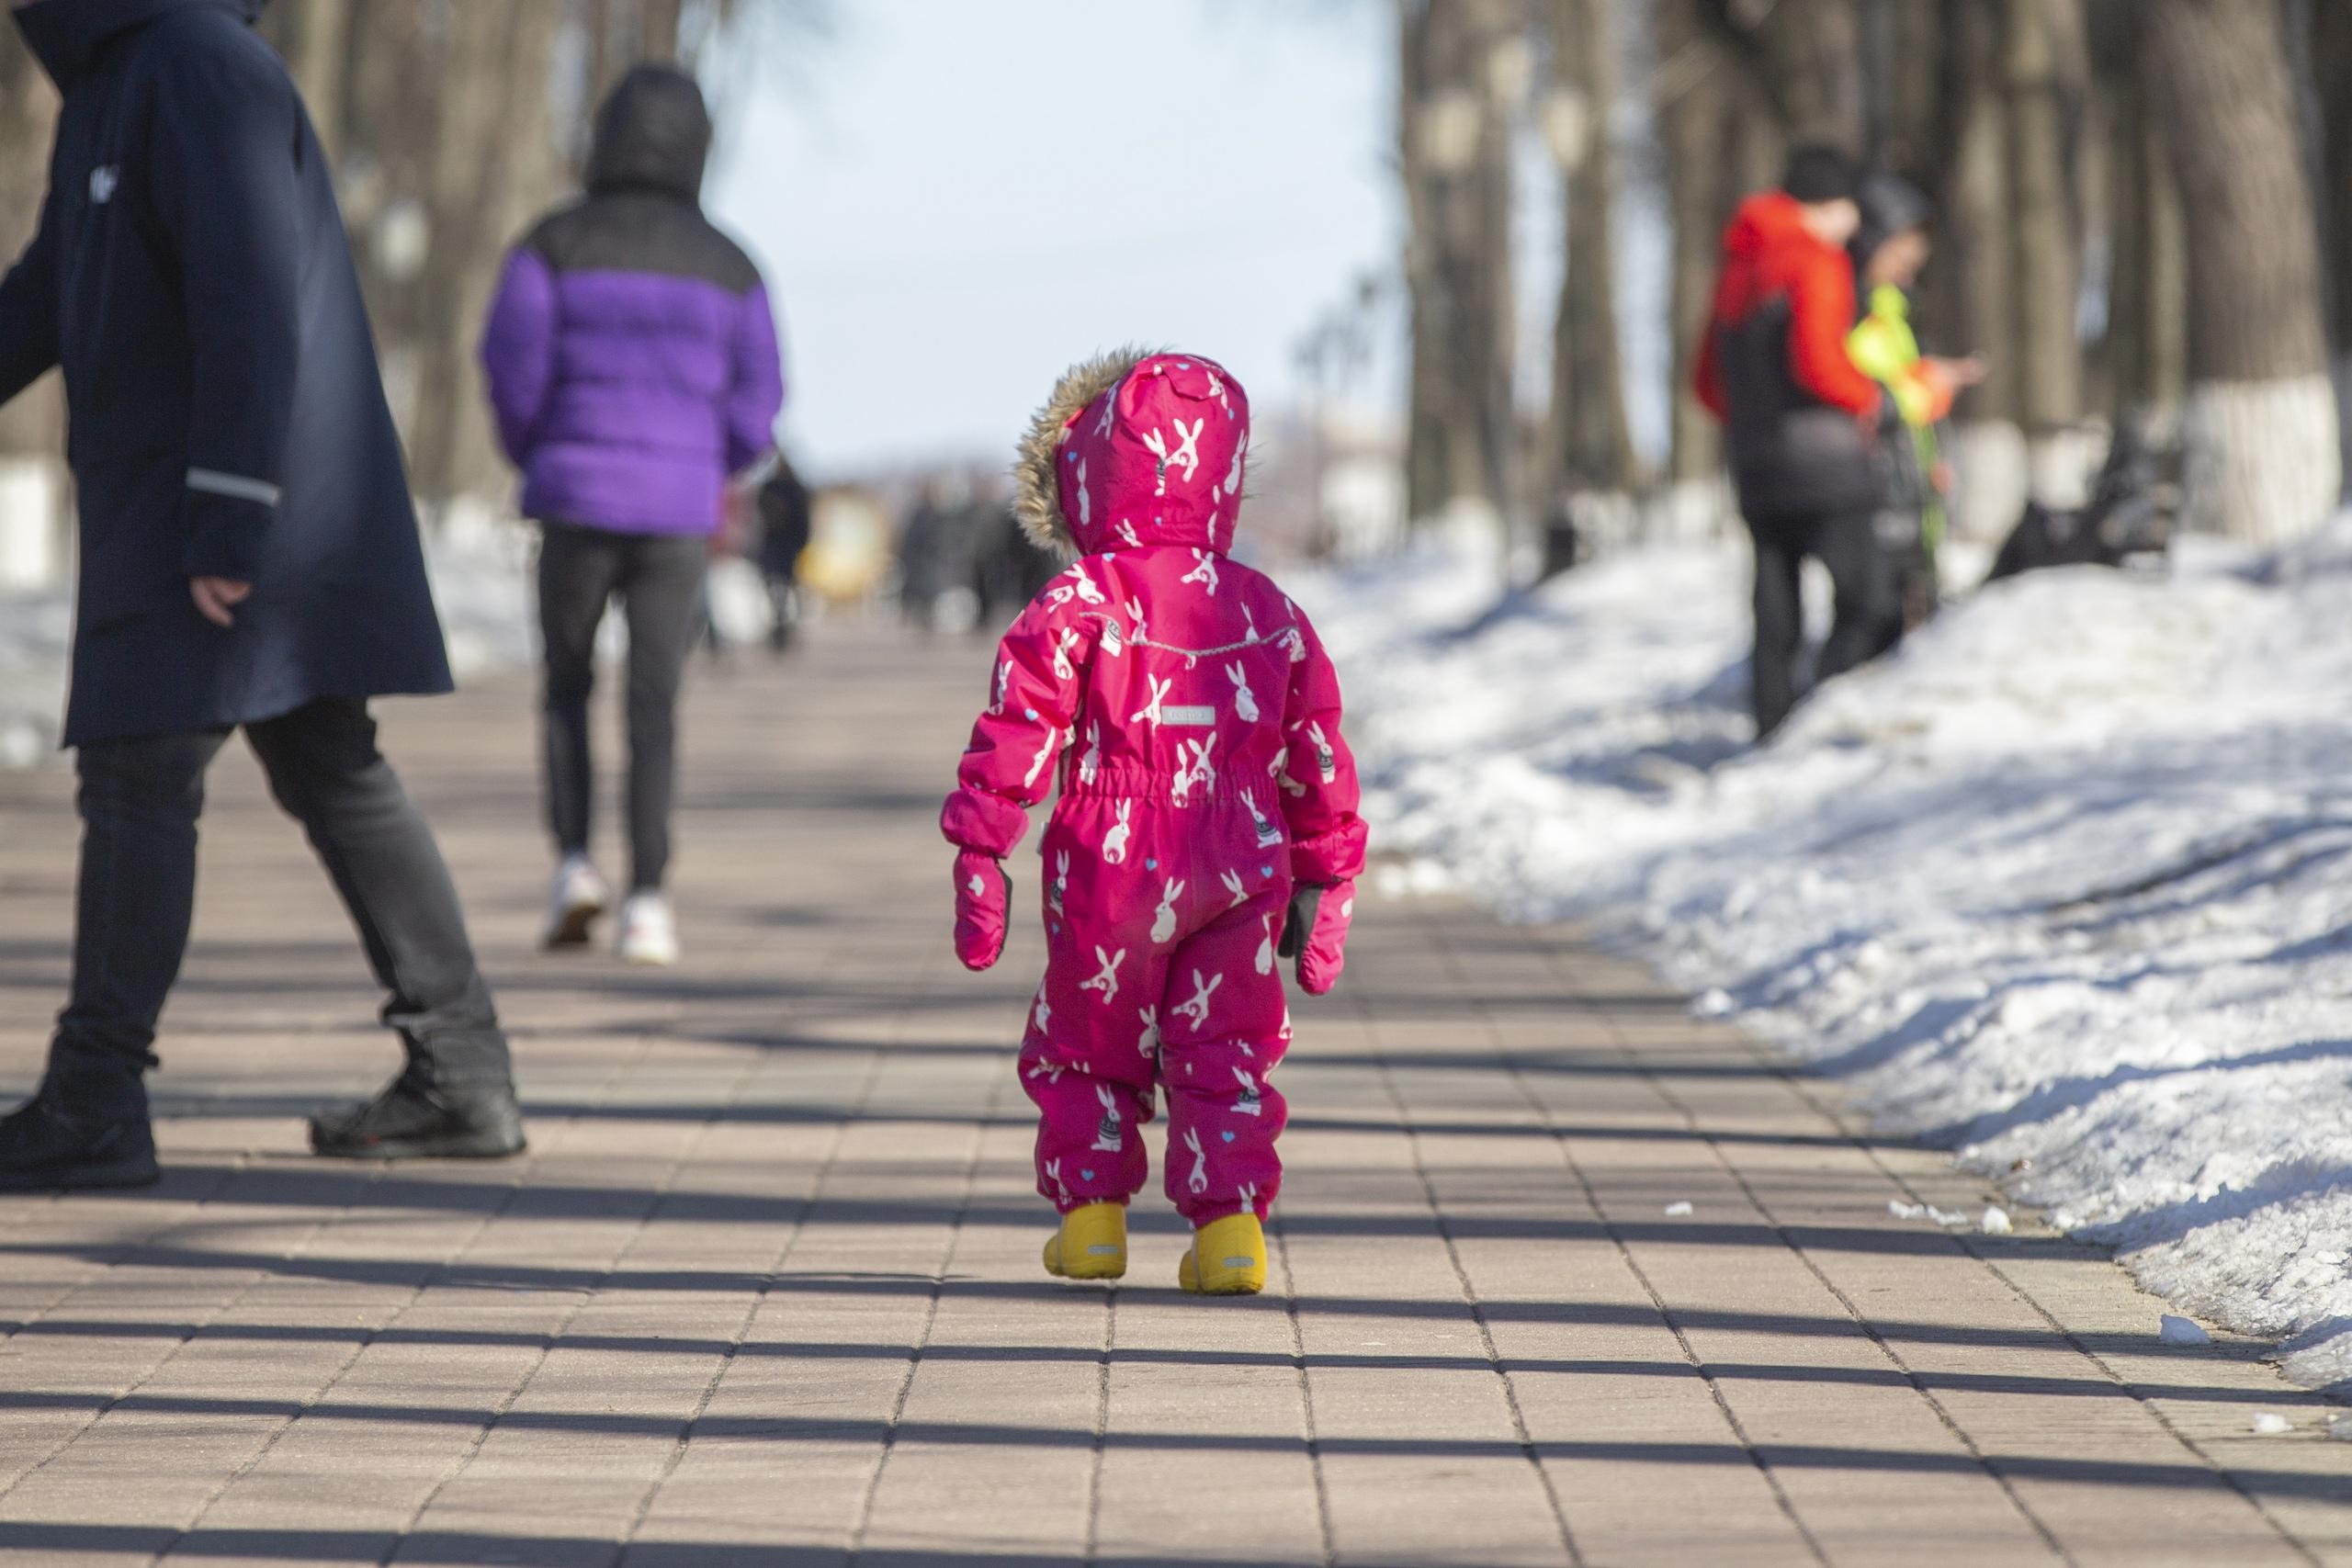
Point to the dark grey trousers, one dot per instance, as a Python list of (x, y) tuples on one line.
[(139, 801), (658, 579)]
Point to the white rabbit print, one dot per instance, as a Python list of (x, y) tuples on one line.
[(1054, 1175), (1083, 585), (1186, 454), (1247, 1102), (1296, 641), (1046, 753), (1090, 762), (1148, 1042), (1250, 622), (1115, 842), (1240, 449), (1157, 690), (1233, 885), (1196, 1006), (1127, 532), (1266, 949), (1134, 607), (1045, 1011), (1085, 499), (1003, 686), (1268, 834), (1115, 641), (1245, 701), (1163, 924), (1061, 879), (1196, 768), (1204, 573), (1249, 1197), (1110, 1137), (1048, 1069), (1106, 979), (1063, 670), (1327, 761), (1199, 1181)]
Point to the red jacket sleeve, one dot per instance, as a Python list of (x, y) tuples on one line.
[(1320, 793), (1821, 314), (1009, 766)]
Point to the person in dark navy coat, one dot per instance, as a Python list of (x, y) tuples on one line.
[(249, 558)]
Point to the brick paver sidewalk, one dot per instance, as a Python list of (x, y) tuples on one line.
[(765, 1290)]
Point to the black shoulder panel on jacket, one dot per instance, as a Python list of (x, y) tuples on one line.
[(642, 231)]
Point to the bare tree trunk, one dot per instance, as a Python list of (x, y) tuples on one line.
[(2264, 460), (1591, 446), (35, 523), (1805, 56), (2331, 68), (1456, 147), (2145, 355), (315, 37), (2045, 59)]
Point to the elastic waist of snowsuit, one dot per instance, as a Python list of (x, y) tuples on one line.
[(1144, 784)]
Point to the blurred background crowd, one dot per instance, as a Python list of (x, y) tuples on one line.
[(1477, 238)]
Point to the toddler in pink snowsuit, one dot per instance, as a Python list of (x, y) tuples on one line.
[(1207, 820)]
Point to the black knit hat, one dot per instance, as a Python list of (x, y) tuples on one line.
[(1891, 205), (1817, 173)]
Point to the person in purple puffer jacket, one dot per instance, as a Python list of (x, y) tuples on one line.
[(632, 361)]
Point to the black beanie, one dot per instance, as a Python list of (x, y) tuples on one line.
[(1817, 173)]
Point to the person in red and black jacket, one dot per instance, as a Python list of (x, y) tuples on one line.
[(1799, 418)]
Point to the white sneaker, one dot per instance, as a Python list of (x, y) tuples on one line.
[(648, 930), (581, 894)]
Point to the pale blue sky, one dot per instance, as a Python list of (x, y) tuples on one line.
[(955, 198)]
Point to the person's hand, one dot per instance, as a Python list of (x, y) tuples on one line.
[(1939, 479), (1963, 373), (983, 900), (1316, 933), (216, 598)]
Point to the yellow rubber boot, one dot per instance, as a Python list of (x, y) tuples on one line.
[(1227, 1258), (1091, 1244)]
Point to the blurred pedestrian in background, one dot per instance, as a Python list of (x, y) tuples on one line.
[(632, 359), (249, 558), (1889, 249), (786, 521), (1800, 416)]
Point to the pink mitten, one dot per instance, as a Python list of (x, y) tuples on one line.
[(1317, 934), (983, 896)]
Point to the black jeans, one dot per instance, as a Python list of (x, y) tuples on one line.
[(660, 579), (1869, 618), (139, 801)]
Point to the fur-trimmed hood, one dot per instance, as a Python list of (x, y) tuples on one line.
[(1136, 447)]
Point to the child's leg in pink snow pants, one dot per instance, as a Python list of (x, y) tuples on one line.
[(1223, 1026)]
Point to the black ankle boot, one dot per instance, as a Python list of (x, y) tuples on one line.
[(47, 1145), (415, 1118)]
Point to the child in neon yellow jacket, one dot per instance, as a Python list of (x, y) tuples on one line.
[(1889, 250)]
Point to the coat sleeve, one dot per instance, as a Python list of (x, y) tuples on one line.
[(225, 161), (756, 396), (1030, 720), (518, 350), (1320, 792), (1821, 314), (28, 345), (1707, 380)]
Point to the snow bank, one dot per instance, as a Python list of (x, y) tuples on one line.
[(477, 581), (2068, 882)]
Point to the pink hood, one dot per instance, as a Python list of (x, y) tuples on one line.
[(1135, 448)]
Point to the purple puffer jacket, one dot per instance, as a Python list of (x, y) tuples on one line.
[(631, 350)]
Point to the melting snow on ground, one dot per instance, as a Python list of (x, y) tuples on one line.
[(2068, 882)]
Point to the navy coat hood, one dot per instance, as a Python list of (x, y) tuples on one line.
[(65, 36), (652, 133)]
